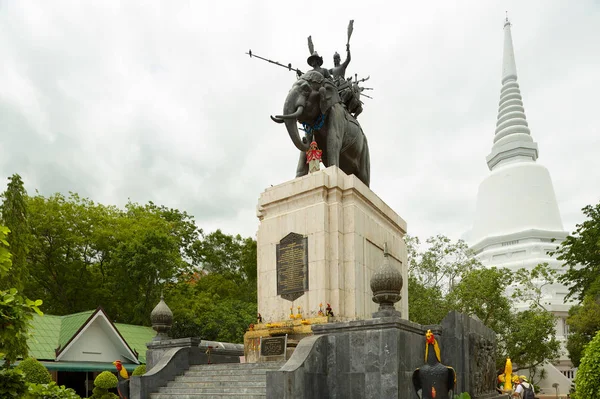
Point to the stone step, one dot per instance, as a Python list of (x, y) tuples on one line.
[(232, 380), (230, 373), (203, 377), (204, 383), (235, 366), (226, 390), (205, 396)]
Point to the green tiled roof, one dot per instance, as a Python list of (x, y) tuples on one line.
[(70, 325), (48, 332), (136, 337), (44, 336)]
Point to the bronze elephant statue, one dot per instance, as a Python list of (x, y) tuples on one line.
[(315, 102)]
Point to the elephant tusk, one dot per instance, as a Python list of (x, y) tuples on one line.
[(277, 119), (292, 116)]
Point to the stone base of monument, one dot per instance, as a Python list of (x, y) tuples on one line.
[(319, 241), (376, 358), (294, 330)]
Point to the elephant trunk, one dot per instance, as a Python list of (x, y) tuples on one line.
[(292, 109), (292, 128)]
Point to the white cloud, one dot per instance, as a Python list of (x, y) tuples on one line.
[(156, 101)]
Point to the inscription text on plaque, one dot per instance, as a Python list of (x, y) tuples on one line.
[(292, 266), (273, 346)]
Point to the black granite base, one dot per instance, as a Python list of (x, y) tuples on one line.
[(376, 358)]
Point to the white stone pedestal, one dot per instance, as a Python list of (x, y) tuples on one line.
[(346, 225)]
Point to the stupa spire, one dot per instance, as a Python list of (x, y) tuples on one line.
[(509, 67), (512, 140)]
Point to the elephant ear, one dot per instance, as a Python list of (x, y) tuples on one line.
[(329, 96)]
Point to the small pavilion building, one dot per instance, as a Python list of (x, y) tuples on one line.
[(76, 348)]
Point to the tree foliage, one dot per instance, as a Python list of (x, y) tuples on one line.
[(445, 277), (14, 216), (12, 383), (481, 293), (441, 264), (16, 312), (85, 254), (530, 339), (584, 322), (227, 255), (587, 379), (581, 253), (79, 254), (50, 391), (220, 302)]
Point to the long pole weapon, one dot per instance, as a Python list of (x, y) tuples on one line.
[(288, 66)]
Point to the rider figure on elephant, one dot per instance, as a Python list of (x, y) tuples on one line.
[(349, 92), (315, 61), (339, 70)]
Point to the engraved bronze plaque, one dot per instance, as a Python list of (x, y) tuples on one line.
[(273, 346), (292, 266)]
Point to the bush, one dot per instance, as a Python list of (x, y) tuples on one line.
[(139, 370), (102, 393), (12, 383), (34, 371), (587, 379), (50, 391), (106, 380)]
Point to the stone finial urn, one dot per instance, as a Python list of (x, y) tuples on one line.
[(386, 285), (162, 319)]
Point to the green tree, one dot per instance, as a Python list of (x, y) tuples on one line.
[(65, 250), (427, 305), (432, 273), (481, 293), (85, 254), (227, 254), (218, 302), (584, 322), (581, 253), (154, 246), (14, 216), (441, 264), (530, 339), (587, 379), (446, 277), (211, 306), (16, 312)]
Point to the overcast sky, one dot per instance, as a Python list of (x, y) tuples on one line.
[(156, 100)]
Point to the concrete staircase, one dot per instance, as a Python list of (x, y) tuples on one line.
[(233, 380)]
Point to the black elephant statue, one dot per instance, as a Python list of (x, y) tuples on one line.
[(315, 102)]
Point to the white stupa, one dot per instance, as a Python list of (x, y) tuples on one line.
[(517, 220)]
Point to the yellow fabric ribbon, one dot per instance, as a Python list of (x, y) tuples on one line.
[(436, 349)]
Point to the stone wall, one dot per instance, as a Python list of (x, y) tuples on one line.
[(376, 358), (472, 347)]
